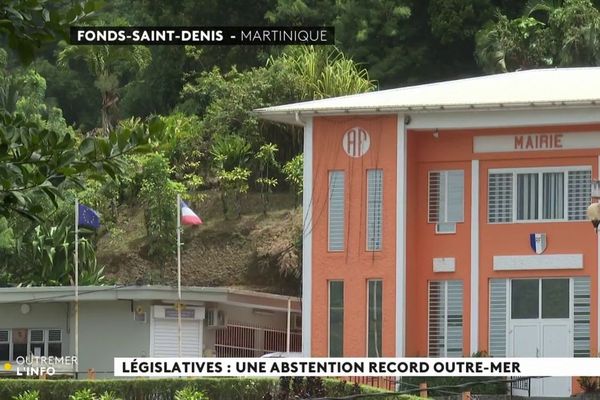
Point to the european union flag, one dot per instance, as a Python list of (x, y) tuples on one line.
[(88, 217)]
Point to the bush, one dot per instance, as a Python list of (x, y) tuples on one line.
[(139, 389), (188, 393), (28, 395)]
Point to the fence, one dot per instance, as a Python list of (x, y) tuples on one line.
[(243, 340)]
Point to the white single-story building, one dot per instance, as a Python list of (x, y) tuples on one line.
[(142, 321)]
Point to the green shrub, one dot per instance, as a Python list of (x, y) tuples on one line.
[(188, 393), (83, 394), (28, 395)]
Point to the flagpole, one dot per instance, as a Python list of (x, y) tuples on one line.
[(76, 364), (179, 273)]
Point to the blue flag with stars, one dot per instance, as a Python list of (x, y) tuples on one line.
[(88, 217)]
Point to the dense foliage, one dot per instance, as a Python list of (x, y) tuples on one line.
[(75, 120)]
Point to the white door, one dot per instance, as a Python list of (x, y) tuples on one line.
[(555, 343), (525, 342), (540, 326)]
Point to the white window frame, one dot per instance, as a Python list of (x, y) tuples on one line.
[(540, 171), (329, 314), (368, 319), (449, 224), (46, 340)]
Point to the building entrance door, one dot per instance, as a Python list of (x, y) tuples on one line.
[(540, 326)]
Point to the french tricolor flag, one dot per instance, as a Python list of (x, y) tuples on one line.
[(188, 217)]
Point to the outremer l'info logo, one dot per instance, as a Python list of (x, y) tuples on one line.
[(40, 365), (236, 367)]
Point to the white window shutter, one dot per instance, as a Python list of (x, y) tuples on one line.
[(579, 194), (581, 318), (455, 189), (454, 319), (446, 196), (498, 314), (445, 333), (336, 211), (500, 197), (437, 318), (435, 190), (374, 208)]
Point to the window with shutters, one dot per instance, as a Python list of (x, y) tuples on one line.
[(445, 327), (336, 318), (374, 323), (374, 208), (538, 194), (446, 199), (22, 342), (336, 211)]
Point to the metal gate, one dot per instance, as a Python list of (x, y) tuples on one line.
[(243, 340)]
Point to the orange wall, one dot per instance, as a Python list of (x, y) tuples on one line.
[(454, 149), (355, 265)]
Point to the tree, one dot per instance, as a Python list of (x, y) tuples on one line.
[(158, 195), (294, 172), (265, 158), (107, 64), (568, 34), (231, 155), (27, 25), (507, 45)]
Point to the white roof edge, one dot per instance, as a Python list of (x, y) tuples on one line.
[(555, 87), (108, 293), (289, 116)]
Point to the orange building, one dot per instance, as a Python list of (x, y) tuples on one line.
[(450, 218)]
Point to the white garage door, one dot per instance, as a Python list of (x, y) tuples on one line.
[(165, 337)]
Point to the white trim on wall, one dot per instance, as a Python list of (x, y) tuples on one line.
[(538, 262), (474, 331), (401, 145), (307, 239), (500, 119)]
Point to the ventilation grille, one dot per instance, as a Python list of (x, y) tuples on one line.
[(172, 313), (580, 193), (3, 336), (500, 197), (581, 318), (336, 211), (498, 314)]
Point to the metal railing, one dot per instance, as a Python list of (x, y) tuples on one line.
[(244, 340)]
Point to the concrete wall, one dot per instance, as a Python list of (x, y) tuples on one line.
[(41, 316), (108, 330)]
